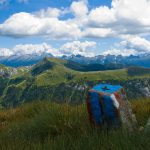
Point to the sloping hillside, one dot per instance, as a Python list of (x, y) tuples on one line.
[(93, 67), (52, 79), (134, 71)]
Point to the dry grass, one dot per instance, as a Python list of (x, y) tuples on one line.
[(48, 126)]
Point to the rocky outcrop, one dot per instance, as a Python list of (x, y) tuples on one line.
[(138, 88), (8, 72)]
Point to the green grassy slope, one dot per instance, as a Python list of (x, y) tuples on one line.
[(4, 67), (52, 80), (1, 66), (49, 126), (54, 71)]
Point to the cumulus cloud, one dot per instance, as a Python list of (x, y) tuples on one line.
[(139, 44), (101, 17), (98, 32), (4, 52), (77, 47), (49, 13), (125, 17), (26, 24), (29, 49), (79, 9), (131, 46)]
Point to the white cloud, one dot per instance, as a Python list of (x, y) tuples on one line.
[(98, 32), (49, 13), (5, 52), (79, 9), (123, 52), (101, 17), (26, 24), (125, 17), (131, 46), (139, 44), (29, 49), (45, 22), (77, 47)]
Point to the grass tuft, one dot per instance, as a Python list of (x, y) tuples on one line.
[(50, 126)]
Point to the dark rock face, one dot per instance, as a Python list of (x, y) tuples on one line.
[(7, 73)]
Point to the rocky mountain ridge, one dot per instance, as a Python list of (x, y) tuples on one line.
[(27, 60)]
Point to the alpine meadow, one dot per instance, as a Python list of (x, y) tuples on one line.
[(74, 75)]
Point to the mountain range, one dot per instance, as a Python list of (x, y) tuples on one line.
[(122, 61), (141, 60)]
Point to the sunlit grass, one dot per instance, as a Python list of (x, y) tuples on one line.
[(142, 110)]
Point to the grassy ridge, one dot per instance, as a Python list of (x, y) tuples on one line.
[(60, 72), (49, 126), (54, 71), (52, 80)]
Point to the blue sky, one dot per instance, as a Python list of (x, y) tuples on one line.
[(87, 27), (34, 5)]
